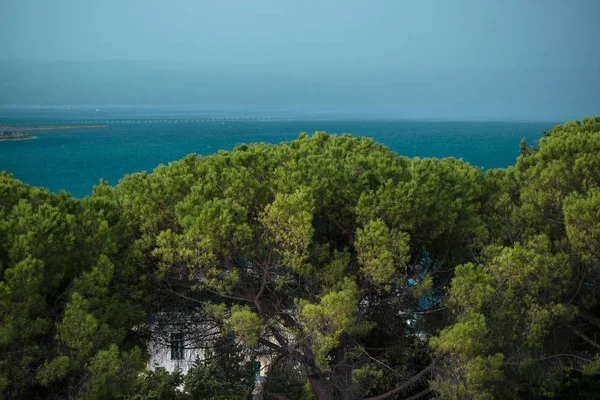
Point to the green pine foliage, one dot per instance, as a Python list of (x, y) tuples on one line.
[(354, 272)]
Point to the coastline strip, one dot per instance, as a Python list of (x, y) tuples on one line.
[(49, 128), (18, 139)]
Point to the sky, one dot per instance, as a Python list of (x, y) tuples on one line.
[(534, 59)]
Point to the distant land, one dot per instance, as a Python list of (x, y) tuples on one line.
[(6, 136), (17, 129), (11, 133)]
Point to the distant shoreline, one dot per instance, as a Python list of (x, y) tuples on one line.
[(49, 128), (18, 138)]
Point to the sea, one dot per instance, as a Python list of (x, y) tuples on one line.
[(139, 139)]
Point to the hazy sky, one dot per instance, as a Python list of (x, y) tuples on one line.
[(533, 58)]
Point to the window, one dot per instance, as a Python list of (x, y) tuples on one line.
[(177, 346)]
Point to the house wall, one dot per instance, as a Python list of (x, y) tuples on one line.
[(159, 349), (160, 357)]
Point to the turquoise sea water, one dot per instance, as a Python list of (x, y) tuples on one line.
[(139, 140)]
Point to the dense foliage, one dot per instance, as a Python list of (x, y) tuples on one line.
[(356, 272)]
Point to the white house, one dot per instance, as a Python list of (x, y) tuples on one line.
[(176, 346), (176, 353)]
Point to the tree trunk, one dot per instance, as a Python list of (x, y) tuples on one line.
[(343, 375), (320, 386)]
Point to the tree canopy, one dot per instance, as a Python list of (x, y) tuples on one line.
[(357, 272)]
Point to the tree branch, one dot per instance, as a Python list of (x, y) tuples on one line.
[(592, 319), (263, 285), (583, 336), (273, 346), (420, 394), (406, 384), (345, 231)]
